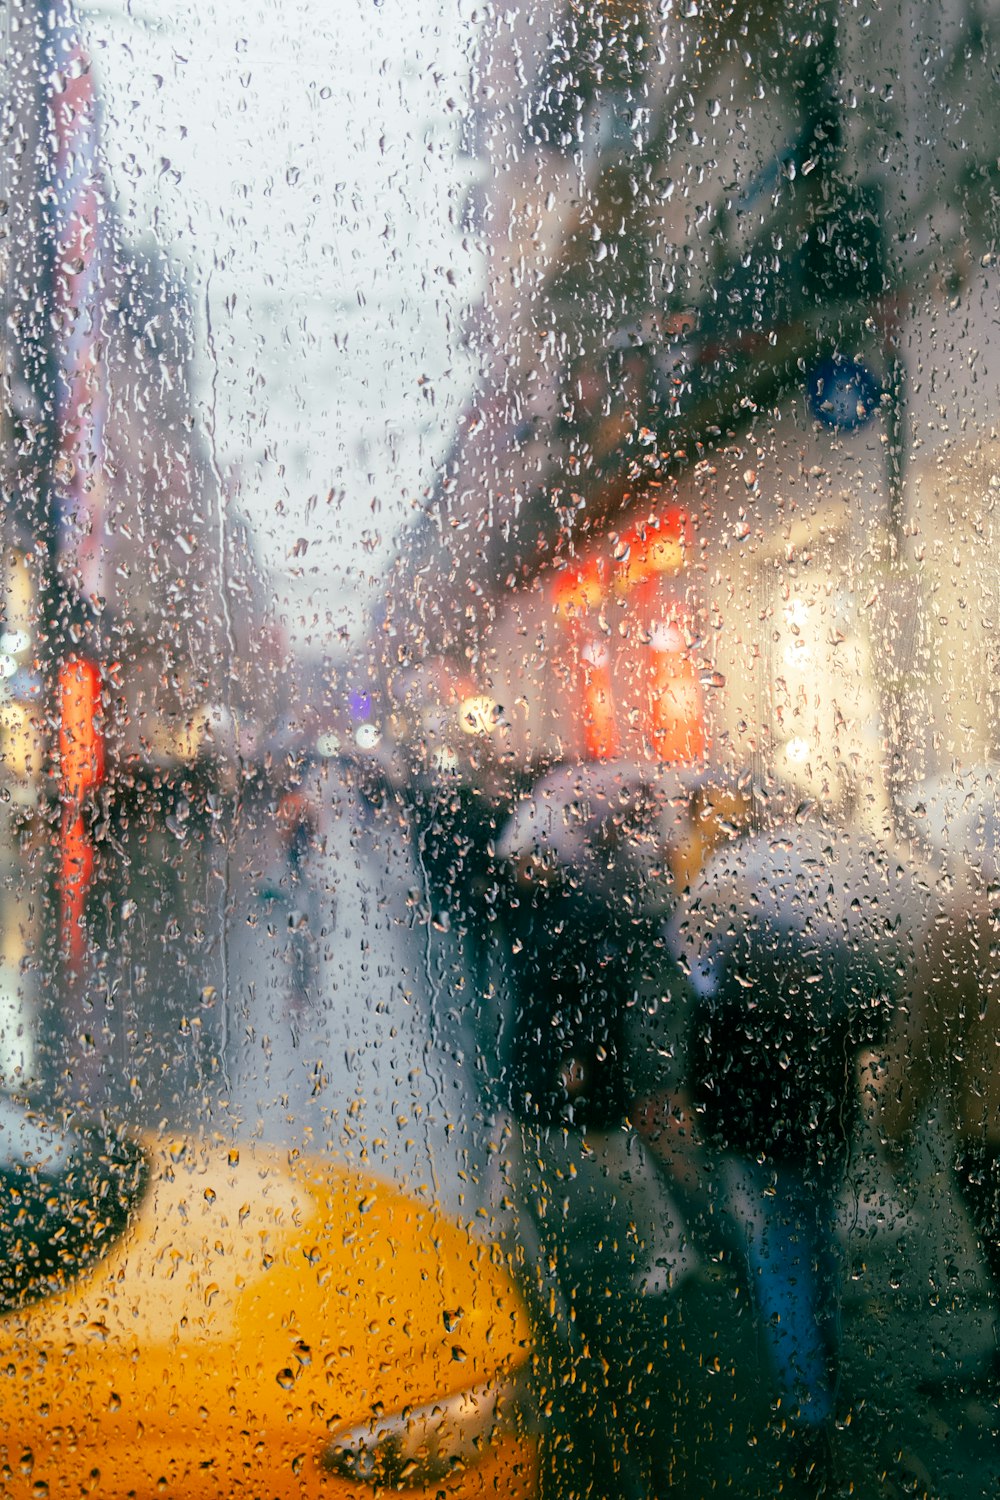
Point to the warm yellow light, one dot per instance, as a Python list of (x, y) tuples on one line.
[(20, 740), (666, 555), (479, 714)]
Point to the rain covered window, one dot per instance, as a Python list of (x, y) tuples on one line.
[(499, 741)]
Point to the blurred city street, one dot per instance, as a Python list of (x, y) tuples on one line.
[(498, 661)]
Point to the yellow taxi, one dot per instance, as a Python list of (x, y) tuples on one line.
[(192, 1319)]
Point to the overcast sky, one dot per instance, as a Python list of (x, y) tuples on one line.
[(298, 158)]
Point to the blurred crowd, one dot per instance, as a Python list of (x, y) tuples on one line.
[(747, 996)]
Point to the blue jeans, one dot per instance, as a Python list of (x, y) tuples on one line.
[(787, 1214)]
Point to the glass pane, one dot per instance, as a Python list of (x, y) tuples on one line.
[(498, 748)]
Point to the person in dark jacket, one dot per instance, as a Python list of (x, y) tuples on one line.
[(795, 947), (590, 854)]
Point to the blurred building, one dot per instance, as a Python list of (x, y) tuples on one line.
[(738, 267), (129, 582)]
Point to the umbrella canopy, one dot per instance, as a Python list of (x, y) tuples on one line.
[(837, 907), (955, 819), (797, 942), (606, 828)]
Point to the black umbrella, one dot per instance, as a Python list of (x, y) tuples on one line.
[(606, 828), (796, 942), (955, 819), (839, 905)]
